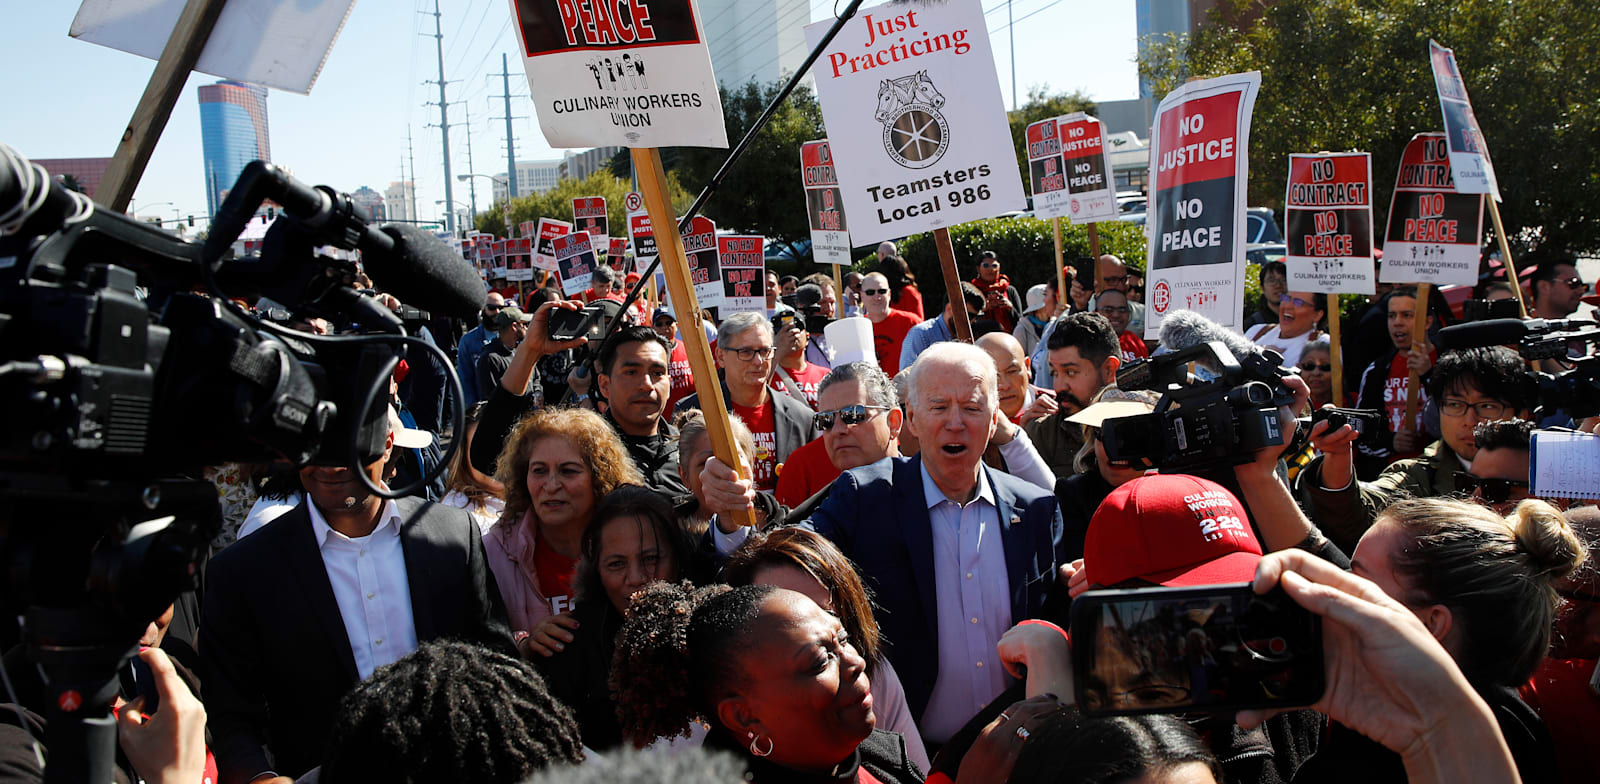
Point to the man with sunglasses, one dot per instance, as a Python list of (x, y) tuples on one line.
[(1557, 289), (1471, 386), (471, 346), (1499, 475), (1001, 300), (746, 353), (889, 326), (859, 417)]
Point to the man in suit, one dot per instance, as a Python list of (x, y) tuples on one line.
[(956, 552), (299, 612)]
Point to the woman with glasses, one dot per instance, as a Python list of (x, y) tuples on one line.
[(1316, 367), (1300, 316)]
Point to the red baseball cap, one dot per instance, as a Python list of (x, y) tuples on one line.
[(1170, 529)]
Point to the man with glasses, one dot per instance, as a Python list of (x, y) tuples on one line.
[(1471, 386), (1114, 305), (859, 417), (780, 424), (889, 326), (1557, 289), (1114, 277), (1001, 301), (1274, 279), (471, 346), (942, 327)]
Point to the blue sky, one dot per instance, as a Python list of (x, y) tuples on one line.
[(67, 98)]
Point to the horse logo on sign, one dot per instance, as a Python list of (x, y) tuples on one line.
[(915, 134)]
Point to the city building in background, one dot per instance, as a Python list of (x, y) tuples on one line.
[(233, 132), (371, 201), (579, 165), (83, 173), (397, 201), (532, 177), (762, 40)]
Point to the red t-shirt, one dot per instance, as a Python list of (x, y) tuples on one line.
[(888, 335), (807, 470), (1394, 399), (679, 371), (763, 426), (806, 378), (1559, 691), (555, 575), (1132, 346), (909, 301)]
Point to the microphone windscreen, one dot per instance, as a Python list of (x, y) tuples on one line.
[(426, 273), (1183, 329), (1477, 334)]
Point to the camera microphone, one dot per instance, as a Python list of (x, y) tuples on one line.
[(1502, 332), (1182, 329)]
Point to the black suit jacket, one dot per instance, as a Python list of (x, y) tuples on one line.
[(274, 656)]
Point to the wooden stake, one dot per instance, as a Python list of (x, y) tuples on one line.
[(952, 285), (1061, 272), (1335, 352), (1094, 253), (1419, 336), (1505, 254), (838, 291), (183, 50), (675, 265)]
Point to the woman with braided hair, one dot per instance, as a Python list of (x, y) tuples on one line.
[(775, 677)]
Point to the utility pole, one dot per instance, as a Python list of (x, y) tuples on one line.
[(410, 185), (1011, 28), (444, 122), (511, 144), (472, 183)]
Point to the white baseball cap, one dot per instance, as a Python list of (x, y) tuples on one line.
[(1036, 296)]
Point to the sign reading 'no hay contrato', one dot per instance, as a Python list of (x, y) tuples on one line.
[(634, 73), (916, 123)]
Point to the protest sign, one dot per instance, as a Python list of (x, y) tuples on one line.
[(1469, 154), (519, 259), (830, 234), (639, 233), (1434, 230), (501, 263), (1199, 153), (575, 261), (1328, 223), (634, 74), (916, 123), (544, 251), (744, 274), (589, 214), (617, 251), (527, 228), (1083, 146), (1046, 169), (705, 274)]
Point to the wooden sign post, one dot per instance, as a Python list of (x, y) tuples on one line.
[(1505, 255), (1419, 338), (1061, 271), (1094, 255), (952, 285), (675, 266)]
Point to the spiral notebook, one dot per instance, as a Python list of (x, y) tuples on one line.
[(1564, 464)]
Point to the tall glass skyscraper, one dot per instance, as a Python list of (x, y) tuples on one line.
[(233, 132)]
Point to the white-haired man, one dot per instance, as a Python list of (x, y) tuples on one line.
[(924, 531)]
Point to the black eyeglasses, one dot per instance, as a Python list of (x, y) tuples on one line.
[(874, 292), (1493, 490), (1487, 410), (1112, 280), (1115, 309), (850, 415), (747, 354)]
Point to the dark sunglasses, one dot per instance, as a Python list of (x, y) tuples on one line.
[(1576, 284), (851, 415), (874, 292), (1324, 367), (1495, 491)]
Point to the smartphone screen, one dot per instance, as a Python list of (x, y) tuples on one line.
[(1218, 648)]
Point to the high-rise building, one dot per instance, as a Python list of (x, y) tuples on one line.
[(579, 165), (85, 172), (532, 177), (233, 132), (397, 199), (371, 201), (762, 40)]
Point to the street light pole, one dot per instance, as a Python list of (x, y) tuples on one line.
[(505, 206)]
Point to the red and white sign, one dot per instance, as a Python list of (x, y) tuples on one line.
[(616, 250), (634, 73), (1435, 230), (700, 245), (527, 228), (575, 261), (644, 241), (1069, 170), (744, 274), (830, 235), (1469, 153), (544, 251), (589, 214), (1327, 220), (1199, 164), (501, 263), (519, 261)]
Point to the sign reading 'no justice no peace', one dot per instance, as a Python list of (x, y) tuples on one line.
[(1199, 157), (1069, 170), (916, 122), (634, 73)]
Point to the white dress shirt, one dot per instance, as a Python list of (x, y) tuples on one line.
[(368, 575)]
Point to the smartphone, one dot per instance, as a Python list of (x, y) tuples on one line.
[(1210, 649)]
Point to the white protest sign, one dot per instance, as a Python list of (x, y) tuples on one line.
[(575, 261), (640, 232), (544, 251), (633, 73), (1469, 154), (1327, 223), (830, 234), (916, 122), (519, 259), (1092, 195), (1199, 164), (1435, 231), (700, 244), (267, 42)]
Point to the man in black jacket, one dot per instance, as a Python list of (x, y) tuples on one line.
[(633, 379)]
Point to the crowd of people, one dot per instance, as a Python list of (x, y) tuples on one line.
[(874, 586)]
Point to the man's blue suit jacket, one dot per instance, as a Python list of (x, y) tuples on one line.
[(877, 514)]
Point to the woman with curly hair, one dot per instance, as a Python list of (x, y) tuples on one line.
[(778, 680), (556, 465), (806, 562)]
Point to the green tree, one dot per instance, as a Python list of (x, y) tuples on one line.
[(1354, 75), (557, 203), (1041, 105)]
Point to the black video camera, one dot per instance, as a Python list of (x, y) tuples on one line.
[(1576, 390), (1215, 409)]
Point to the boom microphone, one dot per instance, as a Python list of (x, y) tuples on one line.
[(1502, 332), (425, 272), (1183, 329)]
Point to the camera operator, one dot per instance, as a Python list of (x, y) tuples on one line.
[(815, 299), (1470, 386), (511, 398), (792, 374), (1084, 355), (1385, 384)]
